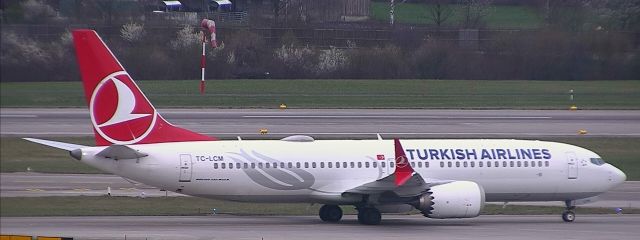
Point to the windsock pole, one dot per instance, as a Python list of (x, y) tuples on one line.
[(202, 62)]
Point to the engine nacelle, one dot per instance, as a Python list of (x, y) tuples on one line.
[(459, 199)]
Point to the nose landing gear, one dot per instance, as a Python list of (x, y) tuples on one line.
[(569, 215)]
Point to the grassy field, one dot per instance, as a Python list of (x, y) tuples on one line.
[(348, 94), (16, 155), (119, 206), (499, 16)]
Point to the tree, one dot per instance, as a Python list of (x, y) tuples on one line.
[(439, 11), (474, 11)]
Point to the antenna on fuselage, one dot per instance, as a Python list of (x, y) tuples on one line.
[(379, 137)]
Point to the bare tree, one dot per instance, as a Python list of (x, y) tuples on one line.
[(474, 11), (439, 11)]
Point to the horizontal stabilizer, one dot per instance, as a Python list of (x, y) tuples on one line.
[(117, 152), (58, 145)]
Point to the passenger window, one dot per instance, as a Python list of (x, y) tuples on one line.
[(539, 163), (313, 165), (230, 165), (353, 165), (441, 164), (359, 164), (526, 164), (366, 164), (245, 165), (330, 164), (504, 163), (259, 165), (375, 164), (222, 165), (321, 164), (344, 164), (457, 164), (282, 165), (215, 166), (488, 163), (238, 165), (413, 164), (383, 164), (480, 164), (391, 164), (518, 163), (546, 163), (267, 165), (419, 164), (464, 163), (449, 164), (511, 164), (497, 164), (426, 164), (290, 165), (472, 163), (297, 165), (306, 165)]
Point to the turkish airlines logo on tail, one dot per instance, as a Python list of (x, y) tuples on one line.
[(120, 113)]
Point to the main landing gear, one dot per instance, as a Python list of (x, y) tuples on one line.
[(569, 215), (366, 215), (330, 213), (369, 216)]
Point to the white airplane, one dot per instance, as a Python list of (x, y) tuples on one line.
[(441, 178)]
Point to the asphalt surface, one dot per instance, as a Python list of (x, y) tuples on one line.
[(626, 195), (346, 123), (393, 227)]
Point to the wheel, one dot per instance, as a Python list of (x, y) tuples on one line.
[(568, 216), (369, 216), (330, 213)]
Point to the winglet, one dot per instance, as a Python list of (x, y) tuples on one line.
[(404, 171)]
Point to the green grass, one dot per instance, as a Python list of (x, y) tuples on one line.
[(17, 154), (348, 94), (499, 16), (160, 206)]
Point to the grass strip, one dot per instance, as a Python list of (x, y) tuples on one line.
[(179, 206), (328, 93)]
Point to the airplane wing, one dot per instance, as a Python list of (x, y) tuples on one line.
[(404, 182), (58, 145)]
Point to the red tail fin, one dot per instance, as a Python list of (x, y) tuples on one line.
[(120, 112)]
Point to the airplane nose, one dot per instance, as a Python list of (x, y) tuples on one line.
[(617, 177)]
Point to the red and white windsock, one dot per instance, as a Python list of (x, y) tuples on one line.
[(210, 27)]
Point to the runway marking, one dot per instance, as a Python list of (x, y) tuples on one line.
[(394, 117), (18, 116), (34, 190)]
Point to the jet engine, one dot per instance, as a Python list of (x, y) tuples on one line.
[(459, 199)]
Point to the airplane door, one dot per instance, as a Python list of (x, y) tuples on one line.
[(572, 165), (185, 168)]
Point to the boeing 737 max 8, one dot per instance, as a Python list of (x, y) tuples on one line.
[(440, 178)]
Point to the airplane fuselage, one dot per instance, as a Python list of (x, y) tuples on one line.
[(321, 171)]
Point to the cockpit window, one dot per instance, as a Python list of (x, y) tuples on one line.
[(597, 161)]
